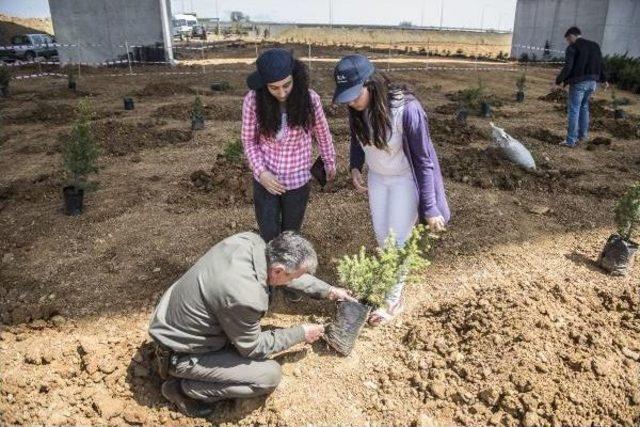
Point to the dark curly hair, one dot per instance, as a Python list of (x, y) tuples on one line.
[(384, 94), (299, 105)]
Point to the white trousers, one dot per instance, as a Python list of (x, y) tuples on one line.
[(393, 201)]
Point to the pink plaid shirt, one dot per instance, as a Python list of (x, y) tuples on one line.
[(289, 154)]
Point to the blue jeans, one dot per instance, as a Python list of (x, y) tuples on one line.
[(578, 110)]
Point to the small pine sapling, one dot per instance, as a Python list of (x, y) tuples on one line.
[(627, 213), (197, 114), (521, 83), (372, 276), (233, 151), (5, 78), (71, 78), (80, 151)]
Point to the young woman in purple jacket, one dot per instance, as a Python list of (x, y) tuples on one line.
[(390, 134)]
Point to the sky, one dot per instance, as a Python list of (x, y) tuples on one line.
[(495, 14)]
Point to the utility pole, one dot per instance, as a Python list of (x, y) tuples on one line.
[(484, 6), (441, 12), (422, 13), (330, 13)]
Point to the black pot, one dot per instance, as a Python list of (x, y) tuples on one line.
[(520, 96), (485, 109), (618, 255), (73, 198), (461, 115), (197, 123), (220, 86), (619, 114), (343, 332), (128, 104), (72, 85)]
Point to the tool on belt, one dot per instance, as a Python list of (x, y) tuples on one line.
[(166, 359)]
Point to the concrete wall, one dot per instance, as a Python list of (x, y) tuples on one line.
[(537, 21), (622, 32), (102, 27)]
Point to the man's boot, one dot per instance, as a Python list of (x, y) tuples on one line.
[(172, 391)]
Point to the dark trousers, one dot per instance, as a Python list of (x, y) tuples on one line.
[(276, 214)]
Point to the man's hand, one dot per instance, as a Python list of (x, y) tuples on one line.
[(556, 87), (358, 182), (312, 333), (340, 294), (270, 182), (436, 223)]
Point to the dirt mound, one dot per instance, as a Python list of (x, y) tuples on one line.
[(448, 109), (52, 113), (449, 131), (230, 183), (558, 96), (165, 89), (540, 133), (118, 138), (12, 26), (487, 168), (43, 186), (44, 112), (599, 141), (623, 129), (509, 360), (215, 109)]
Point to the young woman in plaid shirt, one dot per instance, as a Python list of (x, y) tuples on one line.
[(280, 117), (390, 134)]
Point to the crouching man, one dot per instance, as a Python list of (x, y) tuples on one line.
[(207, 325)]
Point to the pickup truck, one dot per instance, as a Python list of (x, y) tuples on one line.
[(27, 47)]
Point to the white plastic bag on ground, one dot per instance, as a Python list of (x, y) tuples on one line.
[(512, 148)]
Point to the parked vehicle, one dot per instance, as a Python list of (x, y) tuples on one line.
[(182, 25), (28, 47), (199, 32)]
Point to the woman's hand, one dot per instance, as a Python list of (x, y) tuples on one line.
[(358, 181), (270, 182), (331, 174), (436, 223)]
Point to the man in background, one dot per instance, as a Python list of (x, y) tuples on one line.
[(582, 70)]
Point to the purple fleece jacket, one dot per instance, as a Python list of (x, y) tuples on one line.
[(422, 156)]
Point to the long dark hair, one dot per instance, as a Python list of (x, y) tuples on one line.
[(383, 95), (299, 105)]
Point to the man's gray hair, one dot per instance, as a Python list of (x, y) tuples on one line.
[(293, 252)]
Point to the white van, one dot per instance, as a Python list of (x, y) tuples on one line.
[(182, 24)]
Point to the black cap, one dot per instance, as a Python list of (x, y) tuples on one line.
[(272, 65), (350, 75)]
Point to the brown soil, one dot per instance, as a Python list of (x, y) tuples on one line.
[(156, 89), (558, 96), (449, 131), (225, 184), (623, 129), (448, 109), (118, 138), (540, 133), (214, 109), (513, 324)]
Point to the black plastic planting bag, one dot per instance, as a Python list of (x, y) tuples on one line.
[(345, 329), (617, 255)]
